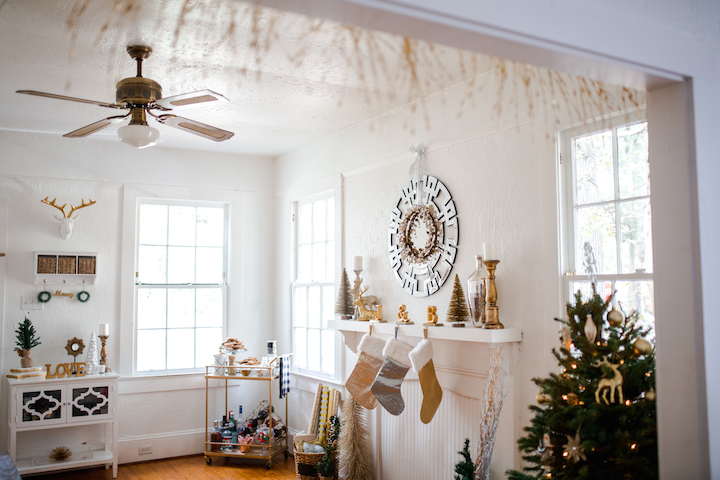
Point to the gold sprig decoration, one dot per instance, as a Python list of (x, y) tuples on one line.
[(60, 453), (380, 66)]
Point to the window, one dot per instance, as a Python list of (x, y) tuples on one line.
[(313, 289), (180, 287), (607, 205)]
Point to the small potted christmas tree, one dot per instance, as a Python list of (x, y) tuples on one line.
[(26, 340)]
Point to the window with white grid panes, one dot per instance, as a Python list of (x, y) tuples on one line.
[(181, 295), (313, 291), (607, 203)]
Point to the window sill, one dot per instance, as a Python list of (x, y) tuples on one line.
[(308, 382), (167, 382)]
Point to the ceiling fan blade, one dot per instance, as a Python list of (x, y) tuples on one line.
[(95, 127), (192, 99), (72, 99), (201, 129)]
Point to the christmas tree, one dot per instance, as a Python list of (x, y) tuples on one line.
[(458, 310), (597, 417), (465, 469), (344, 305)]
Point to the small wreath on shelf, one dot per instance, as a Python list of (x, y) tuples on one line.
[(44, 296), (83, 296), (409, 252)]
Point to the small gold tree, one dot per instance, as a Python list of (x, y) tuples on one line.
[(344, 306), (458, 310)]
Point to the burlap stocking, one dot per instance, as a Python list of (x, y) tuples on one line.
[(386, 386), (366, 368), (421, 358)]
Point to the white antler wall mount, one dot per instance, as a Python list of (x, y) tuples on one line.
[(66, 221)]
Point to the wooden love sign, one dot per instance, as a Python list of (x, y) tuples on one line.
[(66, 369)]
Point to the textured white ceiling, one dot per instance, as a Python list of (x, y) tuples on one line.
[(304, 80)]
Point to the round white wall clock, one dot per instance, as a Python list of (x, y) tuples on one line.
[(423, 236)]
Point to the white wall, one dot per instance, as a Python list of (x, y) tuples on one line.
[(501, 172), (167, 412), (642, 44)]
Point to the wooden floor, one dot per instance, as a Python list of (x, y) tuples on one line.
[(185, 468)]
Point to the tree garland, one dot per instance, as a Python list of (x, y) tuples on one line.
[(408, 252)]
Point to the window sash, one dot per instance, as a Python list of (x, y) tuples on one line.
[(569, 207), (568, 196), (301, 363), (221, 285)]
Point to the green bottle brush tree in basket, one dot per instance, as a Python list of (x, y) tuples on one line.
[(26, 340)]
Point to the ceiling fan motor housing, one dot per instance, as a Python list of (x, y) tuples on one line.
[(137, 91)]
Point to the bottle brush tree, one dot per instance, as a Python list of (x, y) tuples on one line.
[(458, 309), (596, 419), (344, 305)]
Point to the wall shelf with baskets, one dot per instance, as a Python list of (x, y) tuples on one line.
[(64, 268)]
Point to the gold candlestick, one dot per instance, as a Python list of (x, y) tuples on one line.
[(493, 321), (103, 352)]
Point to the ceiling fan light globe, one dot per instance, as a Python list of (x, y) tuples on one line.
[(138, 136)]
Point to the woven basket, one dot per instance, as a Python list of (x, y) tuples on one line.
[(306, 465), (67, 265), (86, 265), (47, 264)]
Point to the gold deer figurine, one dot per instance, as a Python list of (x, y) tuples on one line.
[(365, 314), (66, 221)]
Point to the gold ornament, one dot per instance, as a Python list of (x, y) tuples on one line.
[(542, 398), (615, 317), (574, 452), (650, 395), (642, 347), (573, 399)]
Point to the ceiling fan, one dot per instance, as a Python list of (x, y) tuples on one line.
[(142, 95)]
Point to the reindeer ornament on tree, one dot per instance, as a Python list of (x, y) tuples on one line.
[(66, 221)]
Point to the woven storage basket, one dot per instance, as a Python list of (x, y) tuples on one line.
[(47, 264), (67, 265), (306, 465), (86, 265)]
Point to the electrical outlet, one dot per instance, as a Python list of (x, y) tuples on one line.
[(146, 450), (30, 302)]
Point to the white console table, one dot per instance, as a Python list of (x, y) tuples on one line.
[(51, 404)]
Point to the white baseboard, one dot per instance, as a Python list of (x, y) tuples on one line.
[(164, 445)]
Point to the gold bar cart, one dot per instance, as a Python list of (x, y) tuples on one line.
[(267, 374)]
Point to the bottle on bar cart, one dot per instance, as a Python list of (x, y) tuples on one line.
[(215, 437), (226, 436)]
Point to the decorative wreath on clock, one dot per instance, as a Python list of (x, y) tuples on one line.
[(415, 215)]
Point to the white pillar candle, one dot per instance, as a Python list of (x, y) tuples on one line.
[(357, 262), (105, 329), (489, 251)]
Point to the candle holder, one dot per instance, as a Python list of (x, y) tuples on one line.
[(492, 322), (103, 352), (356, 314)]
